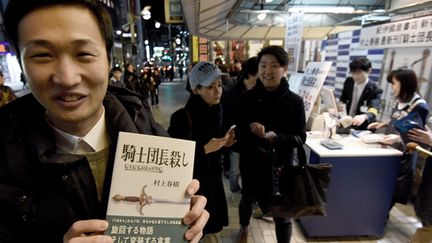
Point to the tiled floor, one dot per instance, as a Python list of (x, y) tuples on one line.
[(401, 225)]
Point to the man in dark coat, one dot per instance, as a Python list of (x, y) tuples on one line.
[(271, 123), (57, 144), (360, 96)]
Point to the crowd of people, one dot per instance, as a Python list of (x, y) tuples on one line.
[(244, 120)]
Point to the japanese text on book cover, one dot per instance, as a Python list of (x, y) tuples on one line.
[(148, 189)]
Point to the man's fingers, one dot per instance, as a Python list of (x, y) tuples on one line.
[(91, 239), (85, 226), (197, 208), (193, 187), (194, 233)]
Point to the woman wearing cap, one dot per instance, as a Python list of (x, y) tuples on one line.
[(271, 121), (201, 121)]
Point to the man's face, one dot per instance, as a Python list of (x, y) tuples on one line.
[(359, 76), (270, 72), (117, 75), (65, 62)]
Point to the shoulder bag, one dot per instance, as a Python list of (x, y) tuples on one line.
[(300, 190)]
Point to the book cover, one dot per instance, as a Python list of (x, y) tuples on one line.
[(148, 189)]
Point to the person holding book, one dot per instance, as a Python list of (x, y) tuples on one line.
[(407, 103), (201, 121), (58, 143)]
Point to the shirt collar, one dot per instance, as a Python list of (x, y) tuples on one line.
[(362, 85), (94, 141)]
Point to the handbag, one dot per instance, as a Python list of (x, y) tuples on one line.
[(300, 190), (408, 122)]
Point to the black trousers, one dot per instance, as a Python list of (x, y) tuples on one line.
[(283, 226)]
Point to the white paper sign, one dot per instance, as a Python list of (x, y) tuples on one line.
[(293, 39), (313, 79), (294, 82)]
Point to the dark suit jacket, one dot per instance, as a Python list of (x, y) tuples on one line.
[(371, 94)]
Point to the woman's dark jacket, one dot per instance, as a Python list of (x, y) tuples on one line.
[(199, 122), (280, 111), (41, 192)]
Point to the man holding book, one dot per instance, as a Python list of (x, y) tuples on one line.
[(58, 143)]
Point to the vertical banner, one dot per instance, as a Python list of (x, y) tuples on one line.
[(203, 49), (195, 49), (173, 12), (293, 39), (310, 86)]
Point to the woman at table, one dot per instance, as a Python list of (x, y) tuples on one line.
[(407, 100)]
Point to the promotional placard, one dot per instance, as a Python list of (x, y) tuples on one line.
[(310, 85)]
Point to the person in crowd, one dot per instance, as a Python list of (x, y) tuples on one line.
[(235, 69), (246, 81), (423, 202), (130, 79), (220, 64), (360, 96), (58, 142), (180, 71), (404, 89), (116, 77), (6, 93), (271, 123), (23, 81), (153, 81), (201, 121)]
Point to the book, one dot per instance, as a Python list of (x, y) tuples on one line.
[(148, 199)]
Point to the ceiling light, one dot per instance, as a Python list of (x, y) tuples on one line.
[(261, 16), (322, 9)]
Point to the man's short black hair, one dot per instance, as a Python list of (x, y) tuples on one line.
[(277, 51), (361, 63), (16, 10), (250, 67), (115, 69)]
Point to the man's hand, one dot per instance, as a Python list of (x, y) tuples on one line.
[(359, 119), (87, 231), (197, 216), (376, 125), (271, 137), (421, 136), (390, 139), (257, 129)]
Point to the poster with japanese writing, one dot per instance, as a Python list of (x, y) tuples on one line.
[(415, 32), (310, 86), (293, 39), (147, 200)]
